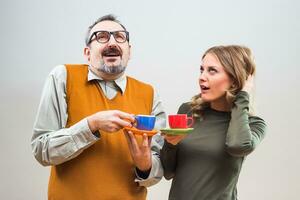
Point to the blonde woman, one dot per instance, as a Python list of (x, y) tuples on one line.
[(205, 164)]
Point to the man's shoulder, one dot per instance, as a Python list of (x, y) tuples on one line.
[(136, 81), (140, 86), (58, 72), (75, 67), (61, 73)]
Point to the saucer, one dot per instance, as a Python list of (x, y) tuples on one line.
[(141, 132), (176, 131)]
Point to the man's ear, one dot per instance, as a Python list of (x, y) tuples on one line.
[(87, 53), (129, 56)]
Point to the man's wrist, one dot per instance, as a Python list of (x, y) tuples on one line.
[(92, 124), (97, 133), (143, 174)]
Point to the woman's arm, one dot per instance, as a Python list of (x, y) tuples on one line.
[(169, 151), (168, 159), (245, 132)]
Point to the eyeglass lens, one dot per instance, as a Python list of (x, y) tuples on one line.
[(104, 36)]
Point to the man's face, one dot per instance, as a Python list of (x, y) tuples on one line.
[(110, 58)]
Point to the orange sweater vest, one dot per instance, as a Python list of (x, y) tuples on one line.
[(104, 170)]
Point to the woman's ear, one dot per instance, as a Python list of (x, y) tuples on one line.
[(232, 85)]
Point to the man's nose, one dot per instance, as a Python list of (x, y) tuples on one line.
[(112, 41)]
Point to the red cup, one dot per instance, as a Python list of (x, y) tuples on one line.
[(180, 121)]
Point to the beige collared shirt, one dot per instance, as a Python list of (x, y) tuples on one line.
[(109, 88)]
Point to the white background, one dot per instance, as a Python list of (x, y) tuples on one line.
[(168, 39)]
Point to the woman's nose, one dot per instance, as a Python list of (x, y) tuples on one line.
[(202, 76)]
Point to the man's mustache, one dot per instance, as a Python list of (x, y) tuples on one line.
[(112, 51)]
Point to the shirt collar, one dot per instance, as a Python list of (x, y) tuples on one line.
[(121, 82)]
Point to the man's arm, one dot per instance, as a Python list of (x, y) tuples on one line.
[(52, 143), (156, 172)]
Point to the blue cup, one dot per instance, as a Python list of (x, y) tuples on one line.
[(145, 122)]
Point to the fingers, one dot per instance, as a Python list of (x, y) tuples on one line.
[(109, 121), (140, 154), (133, 144), (115, 120), (122, 122), (132, 140), (126, 133), (149, 140), (146, 141), (249, 84), (113, 127), (162, 133), (124, 119), (250, 77), (174, 139)]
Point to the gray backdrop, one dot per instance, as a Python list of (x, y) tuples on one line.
[(168, 39)]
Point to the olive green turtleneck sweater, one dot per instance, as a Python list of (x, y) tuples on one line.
[(207, 163)]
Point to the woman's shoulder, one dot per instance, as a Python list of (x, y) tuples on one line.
[(185, 108)]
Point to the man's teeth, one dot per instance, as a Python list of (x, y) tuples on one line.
[(111, 55)]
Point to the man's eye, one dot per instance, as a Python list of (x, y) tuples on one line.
[(121, 36), (102, 36)]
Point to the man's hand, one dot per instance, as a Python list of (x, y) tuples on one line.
[(110, 121), (140, 153)]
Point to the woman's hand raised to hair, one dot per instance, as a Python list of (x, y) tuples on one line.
[(249, 84)]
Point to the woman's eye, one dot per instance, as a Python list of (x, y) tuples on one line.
[(212, 70), (201, 69)]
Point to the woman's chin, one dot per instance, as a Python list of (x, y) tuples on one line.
[(205, 98)]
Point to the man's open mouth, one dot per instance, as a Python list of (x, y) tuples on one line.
[(111, 52)]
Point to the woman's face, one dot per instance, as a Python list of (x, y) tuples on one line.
[(214, 82)]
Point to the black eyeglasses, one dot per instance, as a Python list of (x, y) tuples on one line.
[(104, 36)]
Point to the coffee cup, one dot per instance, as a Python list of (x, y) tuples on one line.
[(180, 121), (145, 122)]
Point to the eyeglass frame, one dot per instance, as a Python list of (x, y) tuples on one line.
[(111, 33)]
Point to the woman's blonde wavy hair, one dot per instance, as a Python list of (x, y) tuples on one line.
[(238, 63)]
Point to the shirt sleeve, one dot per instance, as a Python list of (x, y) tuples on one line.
[(156, 172), (52, 143), (245, 132)]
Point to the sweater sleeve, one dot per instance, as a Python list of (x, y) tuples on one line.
[(168, 156), (244, 132), (168, 153)]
